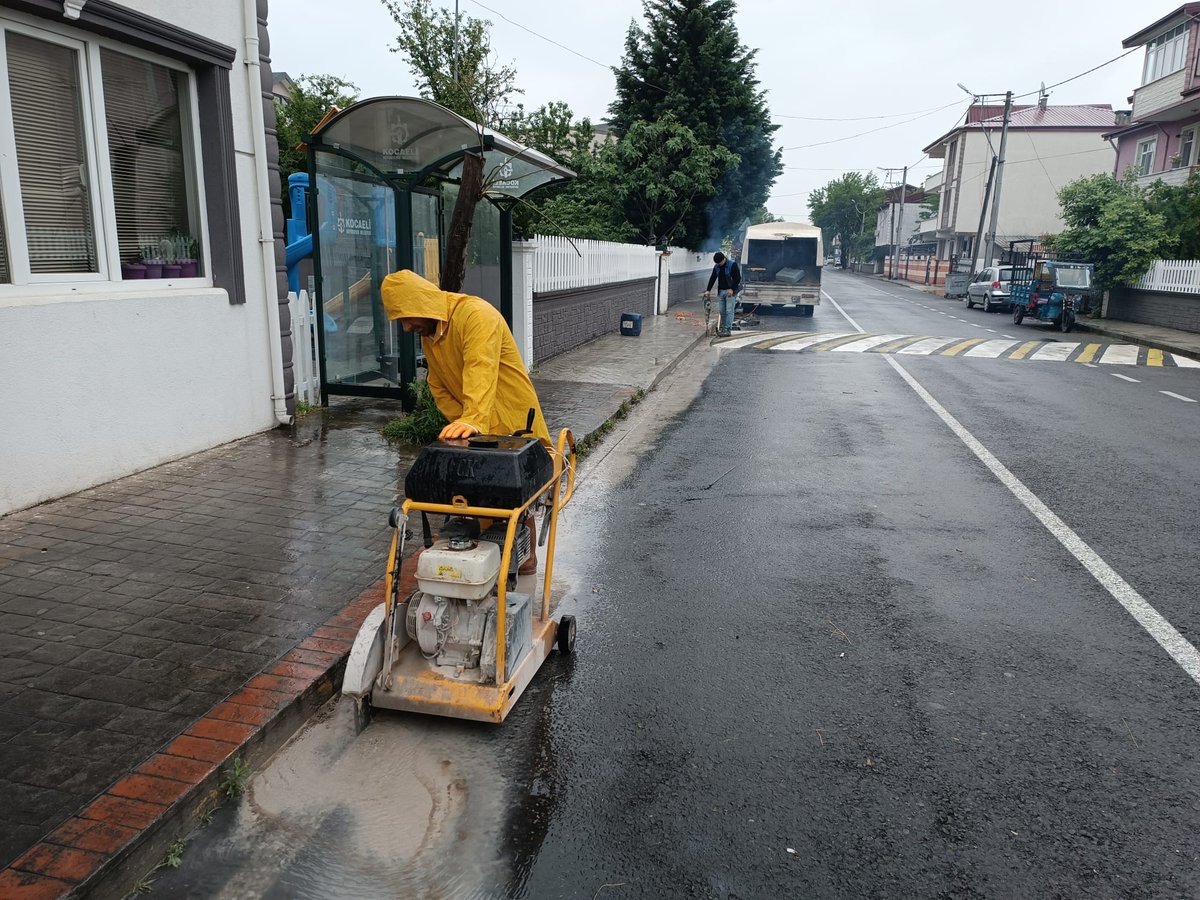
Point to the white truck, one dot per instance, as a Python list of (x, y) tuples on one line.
[(781, 268)]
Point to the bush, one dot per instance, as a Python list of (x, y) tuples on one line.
[(423, 424)]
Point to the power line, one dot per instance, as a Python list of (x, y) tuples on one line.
[(862, 118), (871, 131)]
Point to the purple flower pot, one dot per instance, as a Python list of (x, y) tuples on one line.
[(170, 271), (189, 268), (130, 271), (154, 267)]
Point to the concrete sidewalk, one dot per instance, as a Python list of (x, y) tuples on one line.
[(154, 628)]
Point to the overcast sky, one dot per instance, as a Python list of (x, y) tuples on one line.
[(854, 59)]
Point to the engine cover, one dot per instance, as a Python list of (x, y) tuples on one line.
[(495, 471)]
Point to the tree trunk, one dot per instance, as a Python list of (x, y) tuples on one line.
[(470, 190)]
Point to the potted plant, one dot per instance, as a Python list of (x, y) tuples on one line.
[(152, 261), (132, 270), (166, 249), (189, 265)]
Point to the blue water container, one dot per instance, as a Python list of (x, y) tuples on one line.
[(631, 324)]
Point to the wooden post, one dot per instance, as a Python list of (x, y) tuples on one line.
[(470, 190)]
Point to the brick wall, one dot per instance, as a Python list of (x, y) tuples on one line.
[(1154, 308), (566, 319), (688, 286)]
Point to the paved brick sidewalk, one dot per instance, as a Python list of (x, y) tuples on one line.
[(130, 611)]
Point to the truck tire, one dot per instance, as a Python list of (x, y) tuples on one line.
[(806, 310)]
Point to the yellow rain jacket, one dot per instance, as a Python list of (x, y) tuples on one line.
[(475, 371)]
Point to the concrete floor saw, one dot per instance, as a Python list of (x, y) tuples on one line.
[(467, 642)]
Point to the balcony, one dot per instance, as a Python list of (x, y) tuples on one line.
[(1160, 100), (1174, 177)]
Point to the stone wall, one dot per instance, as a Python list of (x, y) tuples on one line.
[(688, 286), (1155, 308), (566, 319)]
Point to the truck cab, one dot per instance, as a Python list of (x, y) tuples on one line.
[(781, 268)]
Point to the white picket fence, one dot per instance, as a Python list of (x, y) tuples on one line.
[(684, 261), (304, 349), (560, 264), (1179, 276)]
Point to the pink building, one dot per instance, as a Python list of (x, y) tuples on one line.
[(1162, 138)]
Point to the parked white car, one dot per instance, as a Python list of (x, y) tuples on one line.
[(990, 289)]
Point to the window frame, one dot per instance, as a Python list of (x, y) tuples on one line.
[(1192, 134), (1151, 143), (1175, 38), (95, 127)]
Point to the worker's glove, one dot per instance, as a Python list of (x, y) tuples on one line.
[(708, 293), (457, 430)]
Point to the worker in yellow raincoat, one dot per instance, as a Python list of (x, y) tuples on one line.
[(475, 371)]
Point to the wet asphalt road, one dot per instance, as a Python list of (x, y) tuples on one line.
[(823, 652)]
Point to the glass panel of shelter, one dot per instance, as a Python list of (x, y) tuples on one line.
[(357, 220)]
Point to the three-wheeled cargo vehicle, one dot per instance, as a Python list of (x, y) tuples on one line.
[(468, 641), (1049, 290)]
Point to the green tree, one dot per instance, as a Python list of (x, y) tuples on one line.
[(641, 188), (845, 210), (1179, 205), (437, 51), (690, 63), (312, 97), (1110, 224)]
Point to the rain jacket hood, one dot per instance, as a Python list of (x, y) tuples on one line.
[(476, 374)]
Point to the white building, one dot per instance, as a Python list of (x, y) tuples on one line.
[(1048, 146), (131, 131)]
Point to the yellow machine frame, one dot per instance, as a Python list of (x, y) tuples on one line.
[(412, 685)]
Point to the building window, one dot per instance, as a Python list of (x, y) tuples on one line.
[(1185, 154), (1165, 54), (104, 168), (1144, 162)]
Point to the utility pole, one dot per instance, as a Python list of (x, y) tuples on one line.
[(900, 223), (983, 208), (991, 237)]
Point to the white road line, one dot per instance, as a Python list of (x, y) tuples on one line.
[(1178, 396), (929, 345), (973, 325), (1179, 648), (1056, 352), (990, 330), (1091, 365), (803, 343), (846, 315), (867, 343), (1124, 377), (1184, 362), (991, 349), (1120, 355), (1176, 645), (1009, 336)]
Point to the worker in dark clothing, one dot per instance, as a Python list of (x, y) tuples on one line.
[(728, 279)]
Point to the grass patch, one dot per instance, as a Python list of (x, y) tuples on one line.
[(589, 443), (174, 855), (234, 783), (423, 424), (303, 408)]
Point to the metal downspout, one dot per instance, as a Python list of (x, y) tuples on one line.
[(266, 237)]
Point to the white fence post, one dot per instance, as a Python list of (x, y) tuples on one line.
[(304, 358), (1177, 276)]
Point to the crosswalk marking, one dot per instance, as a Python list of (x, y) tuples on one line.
[(990, 349), (1088, 354), (1120, 355), (1057, 352)]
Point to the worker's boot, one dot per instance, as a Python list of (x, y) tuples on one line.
[(530, 565)]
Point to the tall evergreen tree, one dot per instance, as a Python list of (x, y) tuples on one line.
[(689, 62)]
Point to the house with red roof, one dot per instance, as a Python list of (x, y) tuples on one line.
[(1048, 146)]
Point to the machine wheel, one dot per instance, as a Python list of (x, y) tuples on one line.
[(1018, 315), (1067, 320), (566, 634)]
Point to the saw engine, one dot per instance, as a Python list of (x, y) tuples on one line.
[(452, 617)]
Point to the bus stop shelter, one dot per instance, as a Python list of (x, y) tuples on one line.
[(384, 176)]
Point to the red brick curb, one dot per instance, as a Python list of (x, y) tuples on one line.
[(106, 847)]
